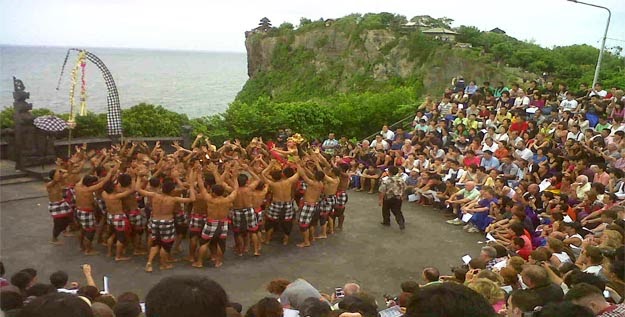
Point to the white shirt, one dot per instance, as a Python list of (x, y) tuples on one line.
[(525, 154), (601, 93), (388, 135), (595, 269), (575, 136), (384, 144), (492, 148), (570, 105), (524, 101)]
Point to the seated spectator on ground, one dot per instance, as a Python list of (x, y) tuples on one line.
[(186, 295), (431, 276), (537, 280), (269, 307), (296, 292), (60, 304), (565, 309), (102, 310), (22, 280), (448, 300), (11, 302), (592, 298), (59, 280)]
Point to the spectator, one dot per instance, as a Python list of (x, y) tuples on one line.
[(296, 292), (11, 302), (59, 280), (448, 300), (489, 255), (22, 280), (102, 310), (491, 291), (57, 304), (310, 307), (3, 281), (268, 307), (592, 298), (127, 309), (565, 309), (431, 276), (186, 295), (537, 280)]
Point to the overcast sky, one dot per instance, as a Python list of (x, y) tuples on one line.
[(218, 25)]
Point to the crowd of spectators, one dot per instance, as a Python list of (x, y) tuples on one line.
[(538, 171)]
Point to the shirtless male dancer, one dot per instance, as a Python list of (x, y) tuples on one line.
[(59, 208), (259, 196), (282, 208), (116, 219), (244, 221), (310, 202), (215, 230), (341, 197), (162, 222), (85, 207), (137, 218), (328, 200)]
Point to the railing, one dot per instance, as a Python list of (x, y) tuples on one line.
[(400, 123)]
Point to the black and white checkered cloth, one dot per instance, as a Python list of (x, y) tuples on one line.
[(244, 220), (50, 123), (114, 112)]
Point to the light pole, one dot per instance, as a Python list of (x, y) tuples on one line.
[(605, 34)]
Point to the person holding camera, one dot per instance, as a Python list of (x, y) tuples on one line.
[(391, 196)]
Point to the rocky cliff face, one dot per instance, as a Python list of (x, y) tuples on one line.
[(341, 60)]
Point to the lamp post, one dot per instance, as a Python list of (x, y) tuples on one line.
[(605, 34)]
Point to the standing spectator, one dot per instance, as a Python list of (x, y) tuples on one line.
[(330, 145)]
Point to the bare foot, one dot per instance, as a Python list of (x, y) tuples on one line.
[(173, 260), (197, 265), (239, 254), (285, 241), (321, 237), (257, 253), (109, 254), (219, 264), (68, 234), (56, 242), (91, 252), (123, 258), (189, 258), (303, 245), (266, 242), (148, 267), (167, 266), (140, 252), (370, 192)]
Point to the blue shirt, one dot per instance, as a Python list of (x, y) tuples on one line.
[(490, 164)]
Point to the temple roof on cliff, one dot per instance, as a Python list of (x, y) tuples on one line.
[(498, 31), (439, 31)]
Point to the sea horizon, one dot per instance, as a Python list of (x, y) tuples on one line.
[(194, 82)]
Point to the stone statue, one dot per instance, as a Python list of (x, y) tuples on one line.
[(32, 146)]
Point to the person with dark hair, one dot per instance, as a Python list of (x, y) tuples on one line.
[(521, 302), (362, 304), (390, 198), (244, 223), (57, 304), (22, 281), (11, 302), (88, 291), (408, 289), (3, 281), (59, 280), (215, 230), (282, 208), (40, 289), (537, 280), (328, 199), (341, 197), (310, 202), (186, 295), (32, 272), (565, 309), (102, 310), (117, 219), (136, 217), (270, 307), (448, 300), (60, 210), (127, 309), (431, 276), (162, 222), (592, 298), (85, 207)]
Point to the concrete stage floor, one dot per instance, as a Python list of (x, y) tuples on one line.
[(378, 258)]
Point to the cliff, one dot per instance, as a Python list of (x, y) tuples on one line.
[(325, 58)]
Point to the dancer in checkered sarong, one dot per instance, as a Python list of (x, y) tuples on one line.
[(215, 230), (162, 224), (310, 202), (137, 219), (85, 206), (259, 196), (326, 205), (197, 220), (244, 221), (341, 197), (117, 220), (282, 208), (59, 208)]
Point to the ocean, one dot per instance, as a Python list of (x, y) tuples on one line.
[(191, 82)]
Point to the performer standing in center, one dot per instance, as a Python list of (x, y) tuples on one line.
[(390, 198)]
